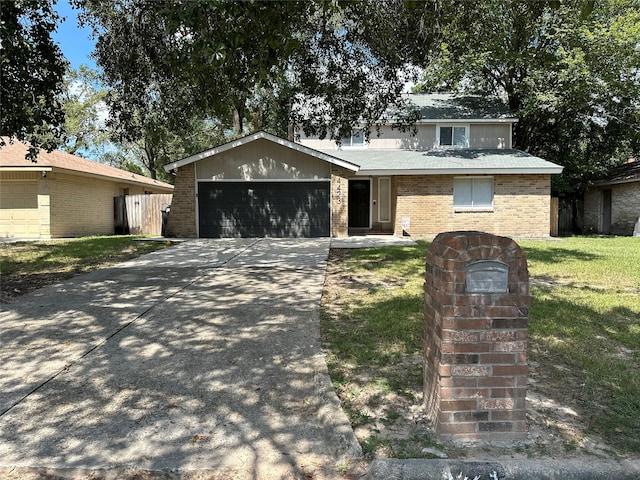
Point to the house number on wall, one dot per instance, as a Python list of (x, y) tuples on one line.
[(339, 191)]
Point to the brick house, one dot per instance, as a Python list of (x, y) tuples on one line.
[(456, 170), (62, 195), (612, 205)]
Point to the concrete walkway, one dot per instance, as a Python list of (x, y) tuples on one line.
[(203, 356), (372, 241)]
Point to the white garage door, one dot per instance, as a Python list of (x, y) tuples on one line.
[(19, 209)]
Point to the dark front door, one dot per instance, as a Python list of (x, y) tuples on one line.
[(359, 197), (264, 209)]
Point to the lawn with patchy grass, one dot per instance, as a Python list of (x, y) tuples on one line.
[(27, 266), (584, 332), (584, 346)]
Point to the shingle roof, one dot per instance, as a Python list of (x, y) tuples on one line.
[(405, 162), (447, 106), (628, 172), (456, 161), (12, 155)]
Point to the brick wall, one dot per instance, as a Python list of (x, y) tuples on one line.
[(339, 201), (74, 205), (81, 205), (521, 206), (475, 344), (592, 211), (44, 207), (625, 208), (182, 219)]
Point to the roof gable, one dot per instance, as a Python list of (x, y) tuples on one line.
[(252, 138), (12, 155)]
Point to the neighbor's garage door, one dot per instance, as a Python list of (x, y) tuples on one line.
[(19, 210), (264, 209)]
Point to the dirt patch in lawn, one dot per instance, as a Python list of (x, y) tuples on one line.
[(12, 286), (28, 266), (383, 399)]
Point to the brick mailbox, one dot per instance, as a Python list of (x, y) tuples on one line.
[(476, 302)]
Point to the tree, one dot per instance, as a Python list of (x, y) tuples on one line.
[(32, 68), (351, 69), (323, 62), (142, 148), (155, 145), (569, 70), (85, 111)]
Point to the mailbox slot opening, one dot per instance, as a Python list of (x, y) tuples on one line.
[(487, 276)]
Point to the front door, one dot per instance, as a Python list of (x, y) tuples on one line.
[(359, 198)]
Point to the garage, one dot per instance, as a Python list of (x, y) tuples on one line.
[(264, 209), (260, 185), (19, 215)]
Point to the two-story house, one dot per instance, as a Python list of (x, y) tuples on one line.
[(456, 170)]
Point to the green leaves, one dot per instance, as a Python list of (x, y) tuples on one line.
[(32, 69), (569, 70), (85, 111), (326, 64)]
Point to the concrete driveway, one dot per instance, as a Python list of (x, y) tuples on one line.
[(203, 356)]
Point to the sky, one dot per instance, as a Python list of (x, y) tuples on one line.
[(75, 42)]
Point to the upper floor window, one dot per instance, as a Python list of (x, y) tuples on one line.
[(356, 139), (456, 136)]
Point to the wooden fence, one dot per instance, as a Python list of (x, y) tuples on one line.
[(555, 202), (566, 216), (140, 214)]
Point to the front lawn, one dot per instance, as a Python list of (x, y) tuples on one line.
[(585, 332), (27, 266), (584, 346)]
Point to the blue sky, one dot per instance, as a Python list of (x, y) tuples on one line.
[(75, 43)]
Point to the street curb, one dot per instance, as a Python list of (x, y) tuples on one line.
[(418, 469)]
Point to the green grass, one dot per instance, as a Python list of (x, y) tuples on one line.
[(23, 258), (25, 266), (584, 328), (585, 332), (381, 323), (611, 263), (372, 324)]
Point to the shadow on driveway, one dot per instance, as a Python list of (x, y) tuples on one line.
[(202, 356)]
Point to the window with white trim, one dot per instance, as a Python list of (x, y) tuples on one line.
[(473, 193), (355, 140), (452, 136)]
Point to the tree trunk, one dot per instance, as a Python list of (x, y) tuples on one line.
[(151, 161), (238, 118), (291, 132)]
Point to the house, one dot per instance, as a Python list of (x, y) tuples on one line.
[(456, 171), (612, 204), (62, 195)]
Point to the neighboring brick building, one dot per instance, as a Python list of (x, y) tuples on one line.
[(612, 205), (457, 170), (62, 195)]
